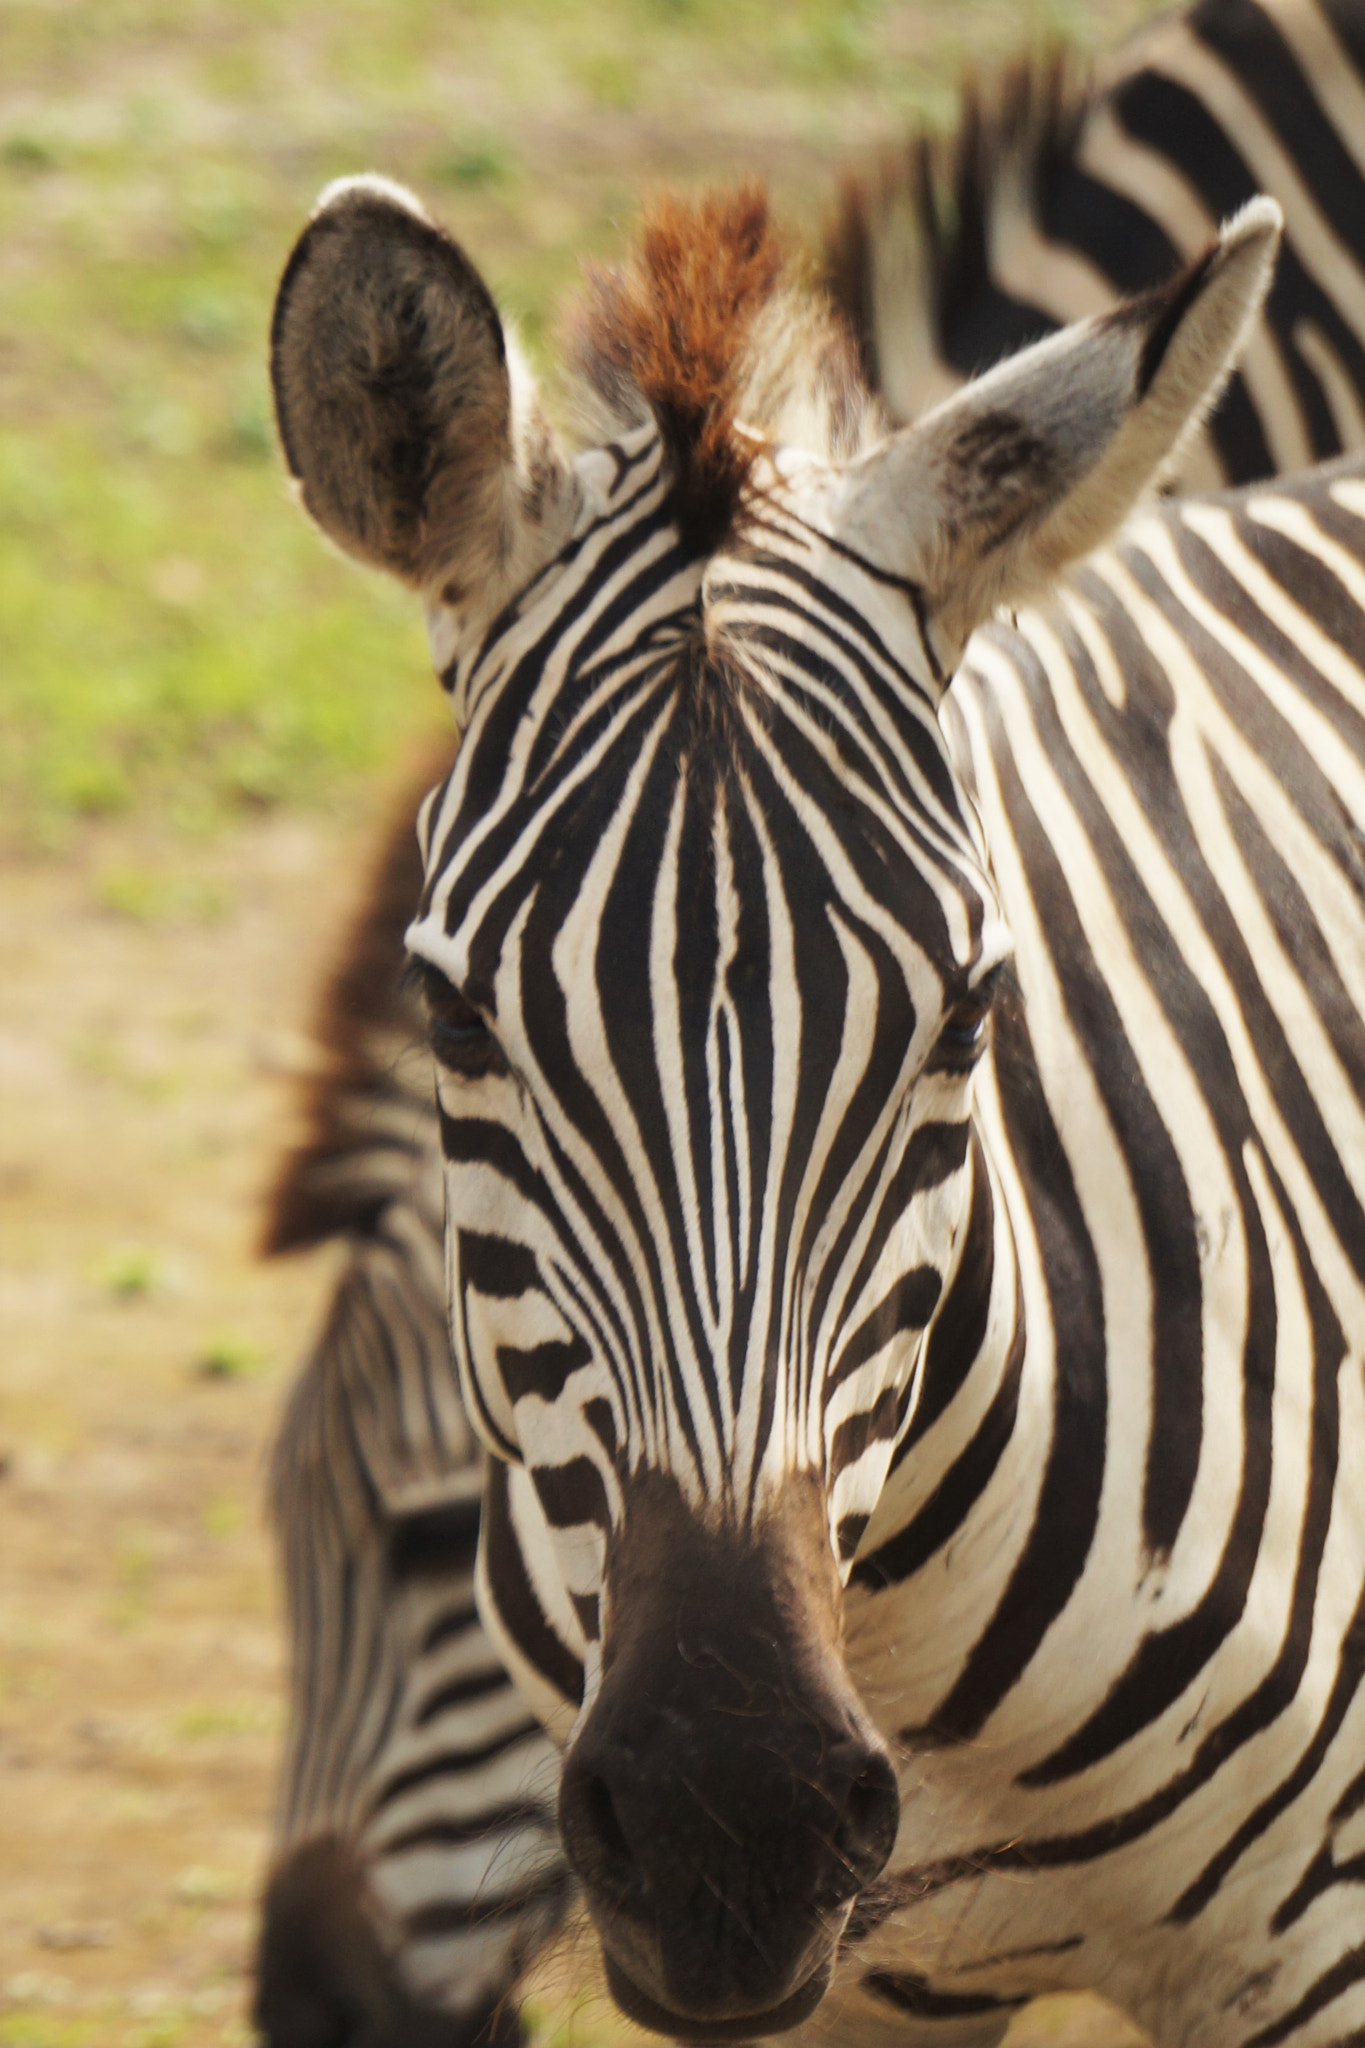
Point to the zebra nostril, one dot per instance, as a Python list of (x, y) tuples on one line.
[(871, 1818), (595, 1838), (864, 1795)]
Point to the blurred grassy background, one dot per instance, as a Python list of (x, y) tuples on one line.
[(174, 642)]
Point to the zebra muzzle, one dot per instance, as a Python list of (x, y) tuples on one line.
[(326, 1977), (727, 1798)]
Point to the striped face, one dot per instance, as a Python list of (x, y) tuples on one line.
[(708, 951)]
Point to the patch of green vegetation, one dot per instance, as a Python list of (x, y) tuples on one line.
[(167, 2030), (201, 1886), (27, 2029), (229, 1356), (582, 2019), (45, 2014), (472, 164), (211, 1724), (152, 653), (222, 1516), (131, 1273), (160, 896), (173, 639), (22, 151)]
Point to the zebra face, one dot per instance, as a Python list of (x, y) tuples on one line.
[(708, 963), (708, 946), (708, 954)]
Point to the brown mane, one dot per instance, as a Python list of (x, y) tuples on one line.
[(700, 328)]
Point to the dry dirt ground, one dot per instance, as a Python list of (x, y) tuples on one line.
[(145, 1064), (154, 1006)]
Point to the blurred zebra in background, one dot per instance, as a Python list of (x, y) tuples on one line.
[(1052, 197), (1062, 189), (417, 1813)]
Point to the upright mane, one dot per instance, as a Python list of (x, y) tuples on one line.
[(703, 329)]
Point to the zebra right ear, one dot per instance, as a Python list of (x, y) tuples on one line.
[(988, 499), (407, 417)]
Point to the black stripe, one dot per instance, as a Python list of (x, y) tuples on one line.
[(455, 1762), (572, 1494), (959, 1329), (914, 1995), (455, 1623), (952, 1499), (515, 1597), (447, 1833), (1344, 1975), (454, 1916), (440, 1540), (459, 1692), (1053, 1557), (543, 1370)]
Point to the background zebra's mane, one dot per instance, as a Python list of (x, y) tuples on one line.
[(361, 1141), (703, 329), (955, 198)]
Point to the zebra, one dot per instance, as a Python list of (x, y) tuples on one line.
[(1058, 193), (1042, 171), (810, 1264), (417, 1812)]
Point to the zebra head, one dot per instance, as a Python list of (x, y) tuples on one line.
[(709, 942)]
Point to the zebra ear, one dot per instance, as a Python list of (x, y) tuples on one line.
[(989, 497), (407, 418)]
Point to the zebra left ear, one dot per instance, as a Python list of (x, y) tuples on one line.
[(408, 420), (988, 498)]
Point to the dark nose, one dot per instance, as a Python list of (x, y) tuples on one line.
[(325, 1979), (727, 1797), (648, 1786)]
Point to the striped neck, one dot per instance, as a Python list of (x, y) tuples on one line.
[(967, 1405)]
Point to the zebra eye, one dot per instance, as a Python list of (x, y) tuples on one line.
[(460, 1039), (963, 1031)]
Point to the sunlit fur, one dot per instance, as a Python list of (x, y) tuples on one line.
[(1122, 1672), (1056, 191)]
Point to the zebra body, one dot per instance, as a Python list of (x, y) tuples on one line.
[(1129, 631), (1060, 192), (1166, 1392), (1168, 764), (924, 1915), (768, 1266)]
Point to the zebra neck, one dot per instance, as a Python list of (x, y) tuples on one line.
[(984, 1526), (969, 1408)]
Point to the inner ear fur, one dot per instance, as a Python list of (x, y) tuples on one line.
[(395, 396)]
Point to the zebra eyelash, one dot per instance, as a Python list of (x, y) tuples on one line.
[(458, 1035)]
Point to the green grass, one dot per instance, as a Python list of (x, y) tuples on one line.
[(173, 639)]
